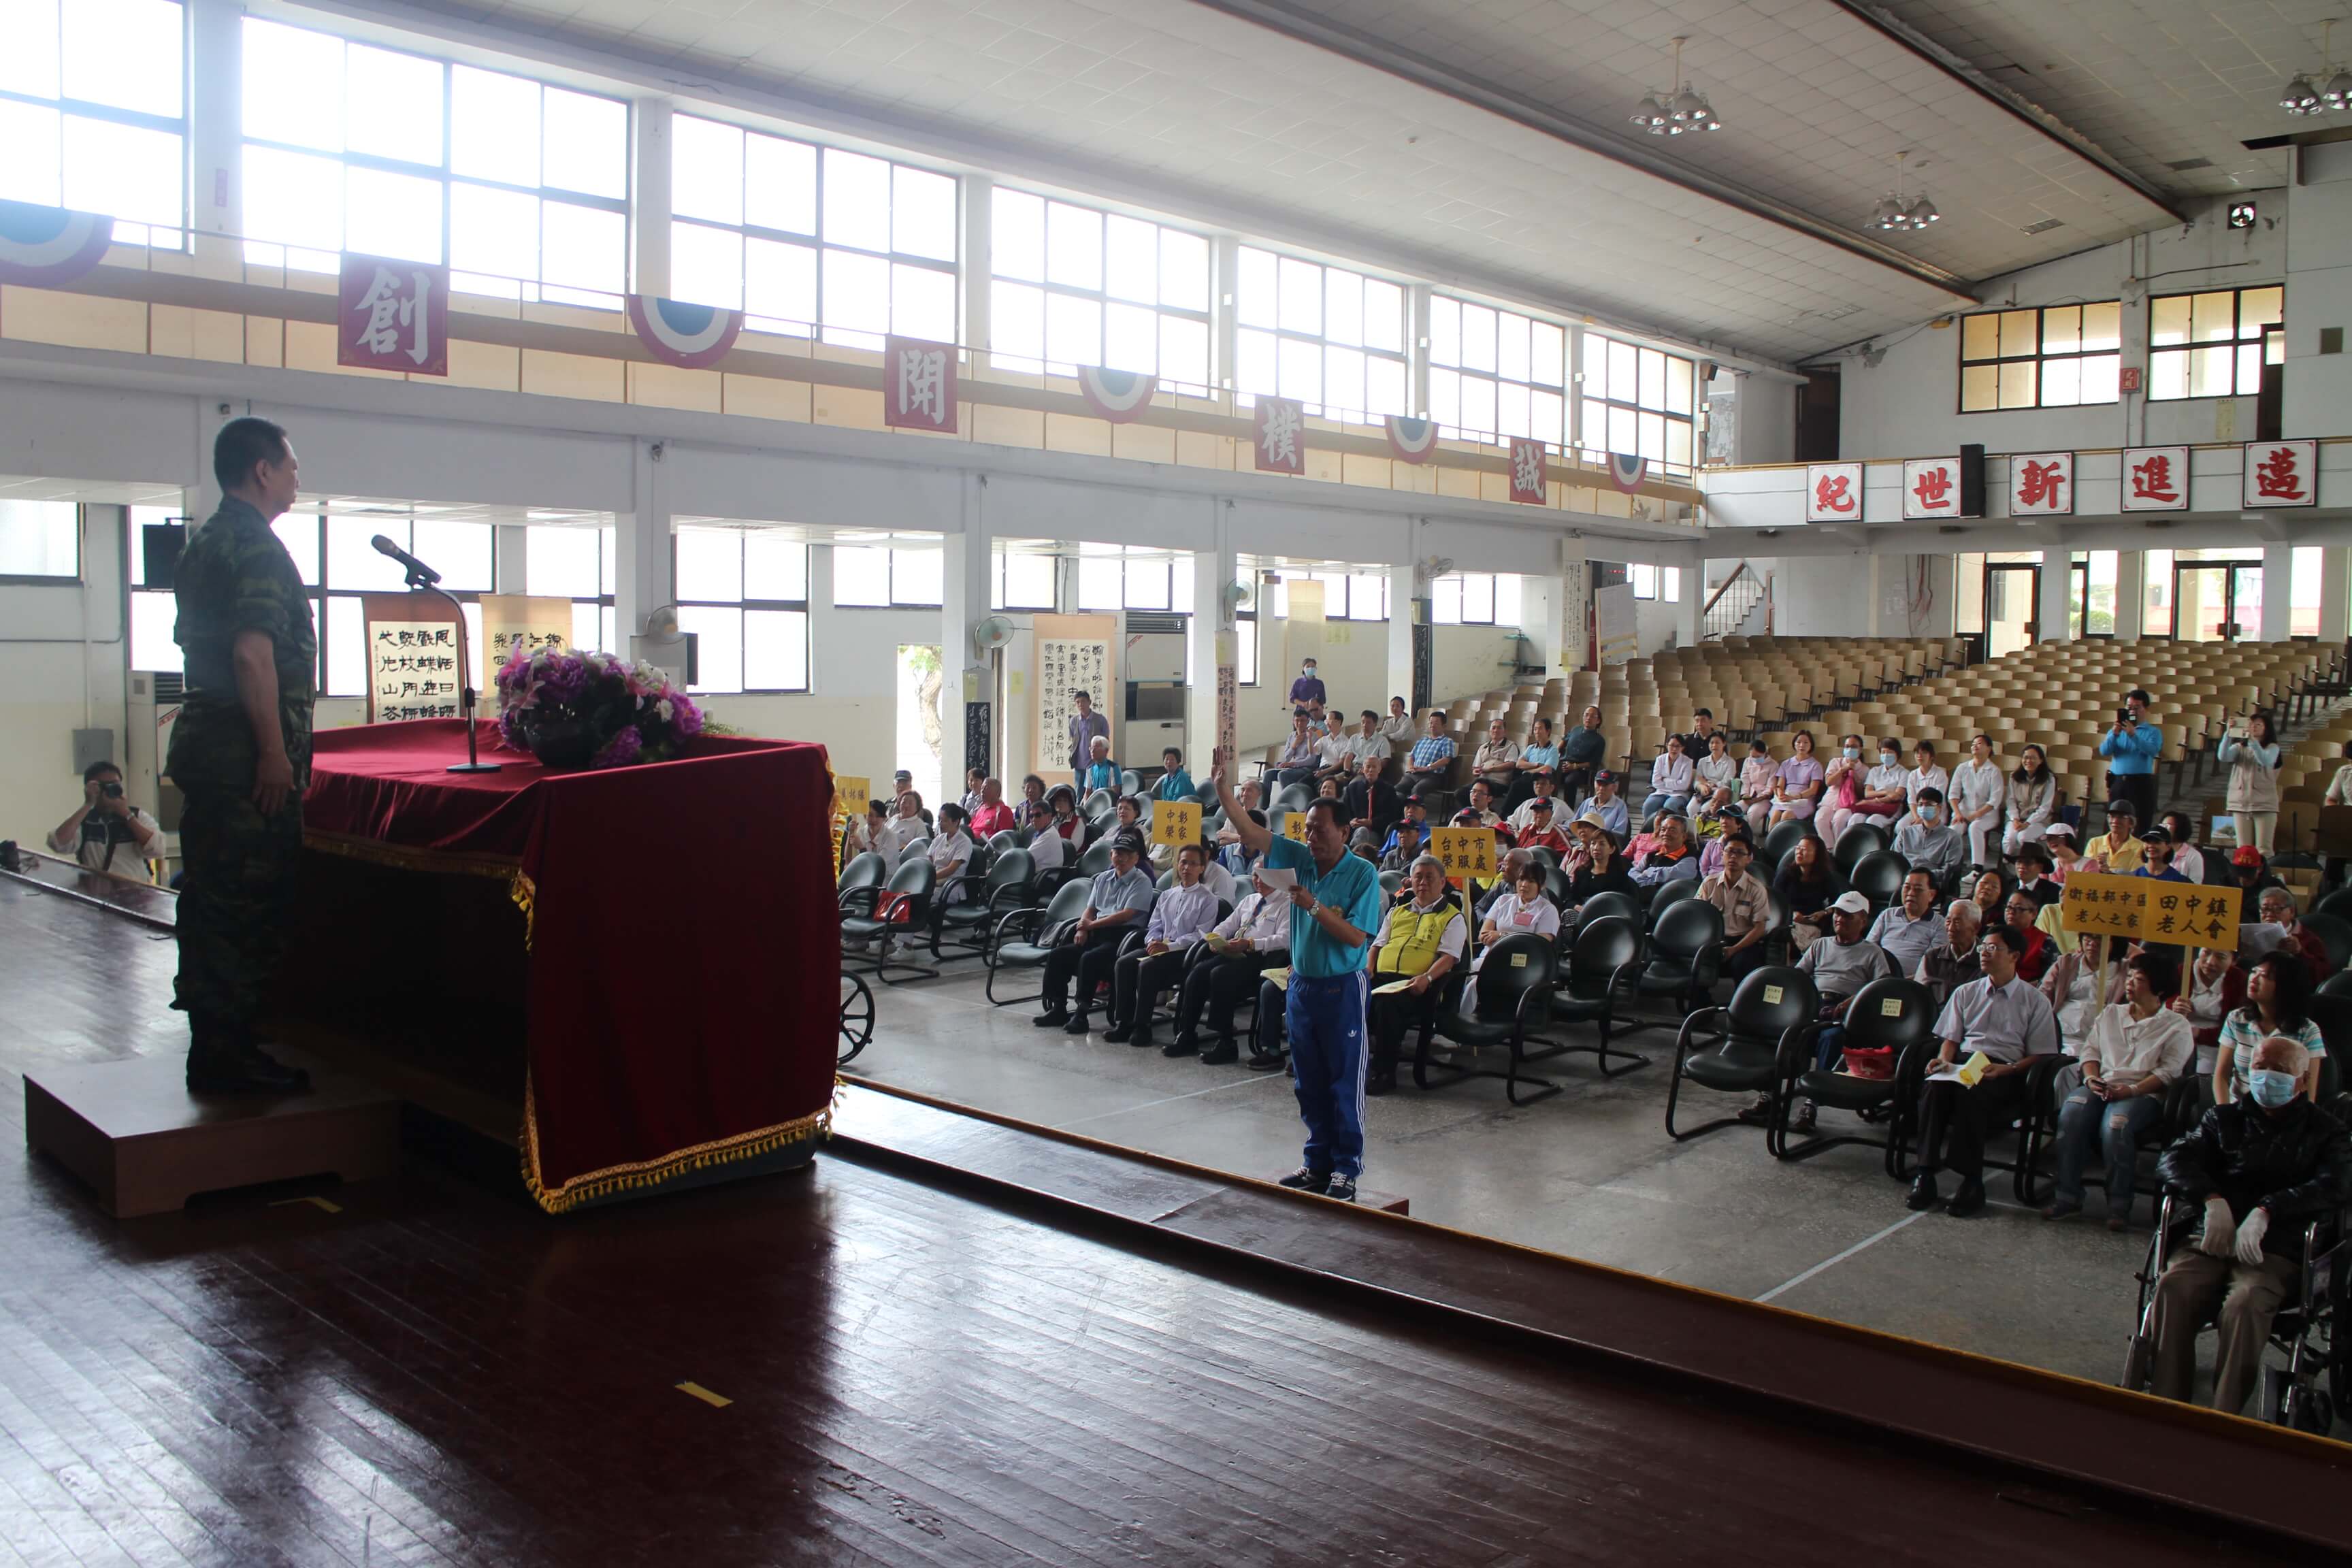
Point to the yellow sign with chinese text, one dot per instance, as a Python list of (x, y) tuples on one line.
[(2144, 908), (1466, 851), (1176, 822), (850, 794)]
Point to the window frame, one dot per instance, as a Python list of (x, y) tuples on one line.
[(2042, 358), (1100, 296), (462, 281), (69, 108), (1599, 452), (2238, 342), (890, 571), (81, 557), (815, 242), (1564, 390), (1318, 406), (744, 604), (1462, 599)]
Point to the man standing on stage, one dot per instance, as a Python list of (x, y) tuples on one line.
[(1335, 908), (241, 757)]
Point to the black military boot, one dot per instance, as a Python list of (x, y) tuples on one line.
[(224, 1060)]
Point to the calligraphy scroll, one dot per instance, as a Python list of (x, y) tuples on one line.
[(412, 669), (512, 620), (1074, 654)]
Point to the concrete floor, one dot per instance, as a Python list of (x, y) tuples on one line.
[(1589, 1173)]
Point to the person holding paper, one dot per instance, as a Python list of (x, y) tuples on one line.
[(2277, 907), (2263, 1168), (2137, 1048), (1421, 941), (2008, 1023), (1335, 908), (1180, 917), (1247, 943)]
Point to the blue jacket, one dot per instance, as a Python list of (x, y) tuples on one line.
[(2133, 750), (1177, 785)]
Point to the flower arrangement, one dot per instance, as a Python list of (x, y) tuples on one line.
[(591, 709)]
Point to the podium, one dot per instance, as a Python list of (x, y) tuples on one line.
[(131, 1131)]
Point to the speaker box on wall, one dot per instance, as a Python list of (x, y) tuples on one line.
[(1972, 496), (159, 552)]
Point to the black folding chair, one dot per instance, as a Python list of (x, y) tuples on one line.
[(1021, 938), (902, 909), (1898, 1016), (1513, 1006), (1009, 883), (1738, 1049), (1601, 960)]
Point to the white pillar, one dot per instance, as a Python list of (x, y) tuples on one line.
[(1572, 607), (1539, 620), (1416, 348), (2278, 592), (1209, 640), (1224, 260), (2334, 621), (1692, 575), (642, 558), (650, 208), (2131, 593), (974, 246), (967, 584), (1403, 609), (215, 129), (2057, 595)]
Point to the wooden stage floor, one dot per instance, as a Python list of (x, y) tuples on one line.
[(430, 1371)]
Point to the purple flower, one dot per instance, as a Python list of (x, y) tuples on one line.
[(620, 751)]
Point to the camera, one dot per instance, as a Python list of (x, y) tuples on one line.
[(111, 791), (2122, 716)]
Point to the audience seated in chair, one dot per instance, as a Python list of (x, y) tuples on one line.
[(1715, 778), (1603, 871), (2262, 1169), (1119, 901), (1583, 751), (2033, 874), (1405, 845), (1180, 917), (2278, 1002), (2138, 1047), (1030, 812), (1806, 884), (1910, 928), (1925, 839), (1369, 800), (1174, 783), (1974, 801), (1518, 909), (1247, 943), (950, 851), (1671, 856), (1431, 760), (1541, 832), (1758, 776), (2009, 1023), (1951, 962), (2214, 988), (2030, 801), (1671, 782), (1295, 762), (2039, 952), (2118, 850), (1606, 804), (1839, 965), (1539, 763), (1745, 904), (1420, 941), (1797, 781), (993, 816), (1100, 772), (2277, 908)]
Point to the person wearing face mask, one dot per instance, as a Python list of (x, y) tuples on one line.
[(1841, 783), (2278, 1002), (1925, 773), (1926, 840), (1886, 788), (1307, 688), (2261, 1168)]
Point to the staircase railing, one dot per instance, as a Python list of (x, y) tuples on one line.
[(1728, 608)]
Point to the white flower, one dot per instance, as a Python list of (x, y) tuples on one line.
[(665, 710)]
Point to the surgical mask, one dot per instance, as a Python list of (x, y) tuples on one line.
[(1307, 669), (2270, 1088), (1926, 814), (1886, 758), (1852, 752)]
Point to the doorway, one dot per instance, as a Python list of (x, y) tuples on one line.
[(2217, 601), (918, 740), (2012, 592), (2090, 613)]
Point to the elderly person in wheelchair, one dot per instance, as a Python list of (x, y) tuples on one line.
[(2264, 1169)]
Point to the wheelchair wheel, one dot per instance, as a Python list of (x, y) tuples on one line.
[(856, 1018), (2308, 1409), (2136, 1364)]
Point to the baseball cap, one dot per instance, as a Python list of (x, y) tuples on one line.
[(2246, 856), (2156, 835), (2059, 830), (1851, 903), (1604, 776), (1539, 802), (1130, 842), (2122, 807)]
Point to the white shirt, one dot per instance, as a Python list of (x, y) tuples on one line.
[(1976, 785), (1181, 915), (1367, 747), (1453, 944), (890, 840), (1260, 923), (2006, 1023), (1399, 730), (1511, 917), (2189, 861), (1525, 817), (1670, 775), (129, 860), (1332, 749), (951, 850), (1048, 849), (1887, 776), (1220, 881), (1720, 772), (2128, 1049)]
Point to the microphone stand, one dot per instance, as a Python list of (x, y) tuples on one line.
[(473, 763)]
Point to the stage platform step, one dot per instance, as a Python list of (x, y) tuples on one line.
[(132, 1133)]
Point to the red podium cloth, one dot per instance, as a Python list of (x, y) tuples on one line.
[(683, 954)]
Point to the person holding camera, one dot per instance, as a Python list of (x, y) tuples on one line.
[(106, 832), (2130, 746), (2250, 750)]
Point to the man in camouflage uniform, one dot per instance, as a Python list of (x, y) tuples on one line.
[(241, 758)]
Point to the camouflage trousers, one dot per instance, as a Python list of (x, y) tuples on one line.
[(237, 890)]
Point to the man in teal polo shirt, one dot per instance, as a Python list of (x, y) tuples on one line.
[(1335, 909)]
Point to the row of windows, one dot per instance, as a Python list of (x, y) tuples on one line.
[(522, 190), (2210, 345)]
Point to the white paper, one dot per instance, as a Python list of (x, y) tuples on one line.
[(1278, 876)]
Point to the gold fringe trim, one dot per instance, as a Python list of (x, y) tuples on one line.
[(445, 862), (641, 1174)]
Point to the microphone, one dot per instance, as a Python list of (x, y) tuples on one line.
[(416, 569)]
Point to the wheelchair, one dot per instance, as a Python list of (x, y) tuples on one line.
[(2310, 1329), (856, 1018)]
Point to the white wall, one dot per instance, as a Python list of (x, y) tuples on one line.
[(2319, 291), (61, 669), (1908, 405)]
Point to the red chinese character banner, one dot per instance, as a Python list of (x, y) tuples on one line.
[(392, 315), (918, 384), (1833, 492), (1527, 473), (2282, 473), (1931, 487), (2041, 484), (1280, 424), (2156, 479)]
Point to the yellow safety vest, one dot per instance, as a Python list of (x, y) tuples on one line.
[(1409, 944)]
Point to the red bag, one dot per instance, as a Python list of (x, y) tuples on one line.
[(1878, 1063)]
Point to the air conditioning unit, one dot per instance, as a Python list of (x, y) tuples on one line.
[(154, 708)]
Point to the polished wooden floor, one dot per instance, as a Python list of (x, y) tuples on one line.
[(429, 1371)]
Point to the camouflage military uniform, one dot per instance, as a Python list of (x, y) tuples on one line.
[(237, 901)]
